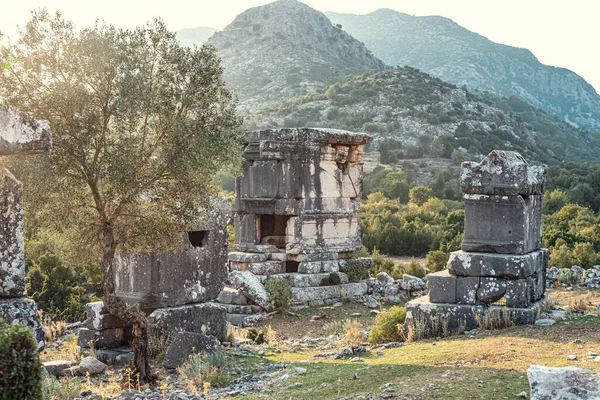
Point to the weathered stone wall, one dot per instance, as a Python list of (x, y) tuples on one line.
[(196, 273), (18, 135)]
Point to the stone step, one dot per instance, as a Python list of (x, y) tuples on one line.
[(316, 296)]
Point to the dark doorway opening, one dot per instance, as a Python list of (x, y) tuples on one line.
[(272, 230), (197, 238)]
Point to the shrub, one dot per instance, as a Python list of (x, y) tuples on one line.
[(413, 268), (205, 370), (381, 264), (352, 332), (158, 342), (387, 326), (355, 270), (256, 335), (20, 366), (64, 389), (436, 260), (280, 293)]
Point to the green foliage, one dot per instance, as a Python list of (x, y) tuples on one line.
[(381, 264), (573, 236), (387, 326), (413, 267), (280, 292), (57, 289), (20, 366), (420, 194), (355, 271), (436, 260), (410, 229), (256, 335)]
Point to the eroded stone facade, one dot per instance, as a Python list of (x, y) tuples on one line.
[(296, 207), (501, 264)]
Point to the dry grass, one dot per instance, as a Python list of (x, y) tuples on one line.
[(495, 318)]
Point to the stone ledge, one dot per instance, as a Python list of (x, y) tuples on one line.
[(458, 318), (498, 265)]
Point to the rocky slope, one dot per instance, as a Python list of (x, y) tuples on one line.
[(413, 115), (444, 49), (286, 48), (194, 36)]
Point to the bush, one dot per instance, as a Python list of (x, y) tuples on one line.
[(20, 366), (56, 289), (413, 268), (355, 270), (205, 370), (381, 264), (64, 389), (387, 326), (436, 260), (280, 293)]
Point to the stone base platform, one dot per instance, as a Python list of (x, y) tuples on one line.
[(441, 319), (23, 311)]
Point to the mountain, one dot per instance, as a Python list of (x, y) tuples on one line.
[(194, 36), (413, 115), (446, 50), (286, 48)]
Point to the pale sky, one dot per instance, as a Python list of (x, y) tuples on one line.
[(559, 32)]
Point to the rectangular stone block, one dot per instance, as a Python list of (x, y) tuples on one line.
[(442, 287), (491, 290), (498, 265), (247, 257), (98, 318), (20, 134), (232, 296), (206, 318), (435, 319), (502, 224), (324, 233), (466, 290), (316, 267), (517, 293), (347, 291), (267, 267)]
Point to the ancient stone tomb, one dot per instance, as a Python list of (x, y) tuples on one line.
[(18, 135), (296, 211), (175, 289), (499, 274)]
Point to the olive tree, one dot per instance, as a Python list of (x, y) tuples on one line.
[(140, 126)]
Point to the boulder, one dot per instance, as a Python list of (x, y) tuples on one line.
[(249, 284), (92, 366), (566, 383), (186, 343), (98, 318)]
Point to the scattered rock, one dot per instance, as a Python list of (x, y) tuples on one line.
[(300, 371), (567, 383), (572, 357), (545, 322), (522, 395), (92, 366), (57, 367), (371, 302)]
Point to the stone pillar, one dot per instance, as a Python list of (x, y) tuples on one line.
[(500, 270), (18, 135)]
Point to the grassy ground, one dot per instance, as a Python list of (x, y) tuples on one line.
[(489, 365)]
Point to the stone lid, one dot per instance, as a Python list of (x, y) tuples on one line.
[(502, 173), (22, 135), (318, 135)]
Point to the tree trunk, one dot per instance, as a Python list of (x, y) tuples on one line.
[(117, 307)]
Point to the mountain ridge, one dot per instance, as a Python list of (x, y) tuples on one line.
[(445, 49), (285, 48)]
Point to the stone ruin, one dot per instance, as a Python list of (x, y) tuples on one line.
[(500, 270), (18, 135), (174, 289), (296, 217)]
